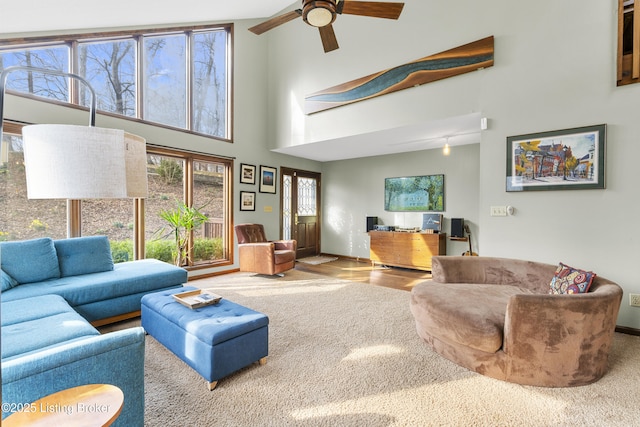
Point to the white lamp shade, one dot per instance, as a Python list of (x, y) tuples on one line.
[(83, 162)]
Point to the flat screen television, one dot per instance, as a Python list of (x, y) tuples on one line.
[(424, 193)]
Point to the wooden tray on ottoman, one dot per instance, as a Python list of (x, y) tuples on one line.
[(198, 298)]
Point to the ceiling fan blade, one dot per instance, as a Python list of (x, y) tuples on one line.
[(275, 22), (375, 9), (329, 41)]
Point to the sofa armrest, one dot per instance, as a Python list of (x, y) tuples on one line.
[(115, 358), (543, 332), (285, 245)]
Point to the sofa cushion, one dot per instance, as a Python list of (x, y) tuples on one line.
[(470, 314), (569, 280), (127, 278), (83, 255), (8, 282), (38, 323), (20, 257)]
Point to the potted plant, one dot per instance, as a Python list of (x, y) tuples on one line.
[(182, 220)]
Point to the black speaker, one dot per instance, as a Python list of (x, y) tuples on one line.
[(371, 222), (457, 227)]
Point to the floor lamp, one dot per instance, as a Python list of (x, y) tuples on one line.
[(79, 162)]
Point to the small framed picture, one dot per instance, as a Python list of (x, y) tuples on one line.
[(247, 174), (247, 201), (268, 177)]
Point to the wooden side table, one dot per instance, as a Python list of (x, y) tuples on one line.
[(87, 406)]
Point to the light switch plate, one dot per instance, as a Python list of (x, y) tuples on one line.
[(498, 211)]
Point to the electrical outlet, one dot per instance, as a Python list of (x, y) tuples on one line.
[(498, 211), (634, 300)]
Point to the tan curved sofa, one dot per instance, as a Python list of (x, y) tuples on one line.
[(495, 316)]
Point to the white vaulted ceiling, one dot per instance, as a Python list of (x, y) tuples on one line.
[(59, 15)]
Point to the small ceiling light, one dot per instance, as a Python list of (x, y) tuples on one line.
[(446, 150)]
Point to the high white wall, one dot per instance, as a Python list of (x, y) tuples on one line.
[(554, 69)]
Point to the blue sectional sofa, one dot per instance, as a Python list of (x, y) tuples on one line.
[(52, 290), (82, 271)]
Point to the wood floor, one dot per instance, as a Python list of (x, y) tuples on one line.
[(360, 271)]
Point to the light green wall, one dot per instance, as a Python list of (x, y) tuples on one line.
[(554, 69), (354, 189)]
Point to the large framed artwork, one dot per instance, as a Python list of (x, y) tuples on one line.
[(414, 193), (268, 177), (568, 159)]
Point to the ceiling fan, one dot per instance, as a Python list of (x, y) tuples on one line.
[(322, 13)]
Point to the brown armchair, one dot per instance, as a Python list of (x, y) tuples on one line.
[(259, 255)]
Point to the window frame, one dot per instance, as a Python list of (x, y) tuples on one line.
[(74, 207), (628, 65), (73, 41), (189, 157)]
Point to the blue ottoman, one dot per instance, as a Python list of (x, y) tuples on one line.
[(214, 340)]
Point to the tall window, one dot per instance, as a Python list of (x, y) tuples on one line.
[(178, 78), (203, 182)]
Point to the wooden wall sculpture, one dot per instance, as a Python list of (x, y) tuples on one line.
[(453, 62)]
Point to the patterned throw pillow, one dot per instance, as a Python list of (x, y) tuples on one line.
[(569, 280)]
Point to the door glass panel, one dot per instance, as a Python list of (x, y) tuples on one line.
[(306, 196), (287, 182)]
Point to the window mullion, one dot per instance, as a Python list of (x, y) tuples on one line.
[(189, 78), (140, 73)]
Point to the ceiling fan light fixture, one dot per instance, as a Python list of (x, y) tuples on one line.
[(319, 13), (319, 17)]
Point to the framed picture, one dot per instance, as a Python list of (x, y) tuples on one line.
[(569, 159), (414, 193), (268, 177), (247, 201), (247, 174)]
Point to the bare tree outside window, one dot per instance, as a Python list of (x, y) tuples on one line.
[(165, 80), (44, 85), (210, 83), (110, 68), (183, 74)]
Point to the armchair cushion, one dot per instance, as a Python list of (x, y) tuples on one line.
[(250, 233)]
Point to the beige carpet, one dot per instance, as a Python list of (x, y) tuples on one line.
[(347, 354)]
